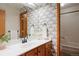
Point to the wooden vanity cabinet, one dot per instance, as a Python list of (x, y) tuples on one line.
[(42, 50), (2, 22), (32, 52), (48, 49)]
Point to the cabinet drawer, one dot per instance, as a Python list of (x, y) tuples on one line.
[(49, 45), (41, 50), (48, 48), (48, 52)]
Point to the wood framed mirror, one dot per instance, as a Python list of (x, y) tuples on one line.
[(2, 22), (23, 24)]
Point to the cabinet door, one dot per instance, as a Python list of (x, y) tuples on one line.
[(2, 22), (41, 50), (48, 49), (32, 52)]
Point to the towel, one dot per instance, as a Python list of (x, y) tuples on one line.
[(13, 34)]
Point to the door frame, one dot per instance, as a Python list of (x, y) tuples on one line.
[(58, 29)]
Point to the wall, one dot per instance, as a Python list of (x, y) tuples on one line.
[(40, 16), (70, 27), (11, 19)]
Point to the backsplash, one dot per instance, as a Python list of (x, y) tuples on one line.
[(40, 16)]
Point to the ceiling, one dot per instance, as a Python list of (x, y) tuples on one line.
[(28, 6), (33, 6)]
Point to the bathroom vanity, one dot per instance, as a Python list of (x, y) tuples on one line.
[(31, 48), (41, 50)]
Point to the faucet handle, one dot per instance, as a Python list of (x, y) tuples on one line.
[(24, 40)]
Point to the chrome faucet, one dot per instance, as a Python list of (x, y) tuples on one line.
[(24, 40)]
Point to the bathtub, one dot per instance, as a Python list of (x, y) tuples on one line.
[(68, 50)]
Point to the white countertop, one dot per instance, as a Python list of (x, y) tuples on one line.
[(18, 49)]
